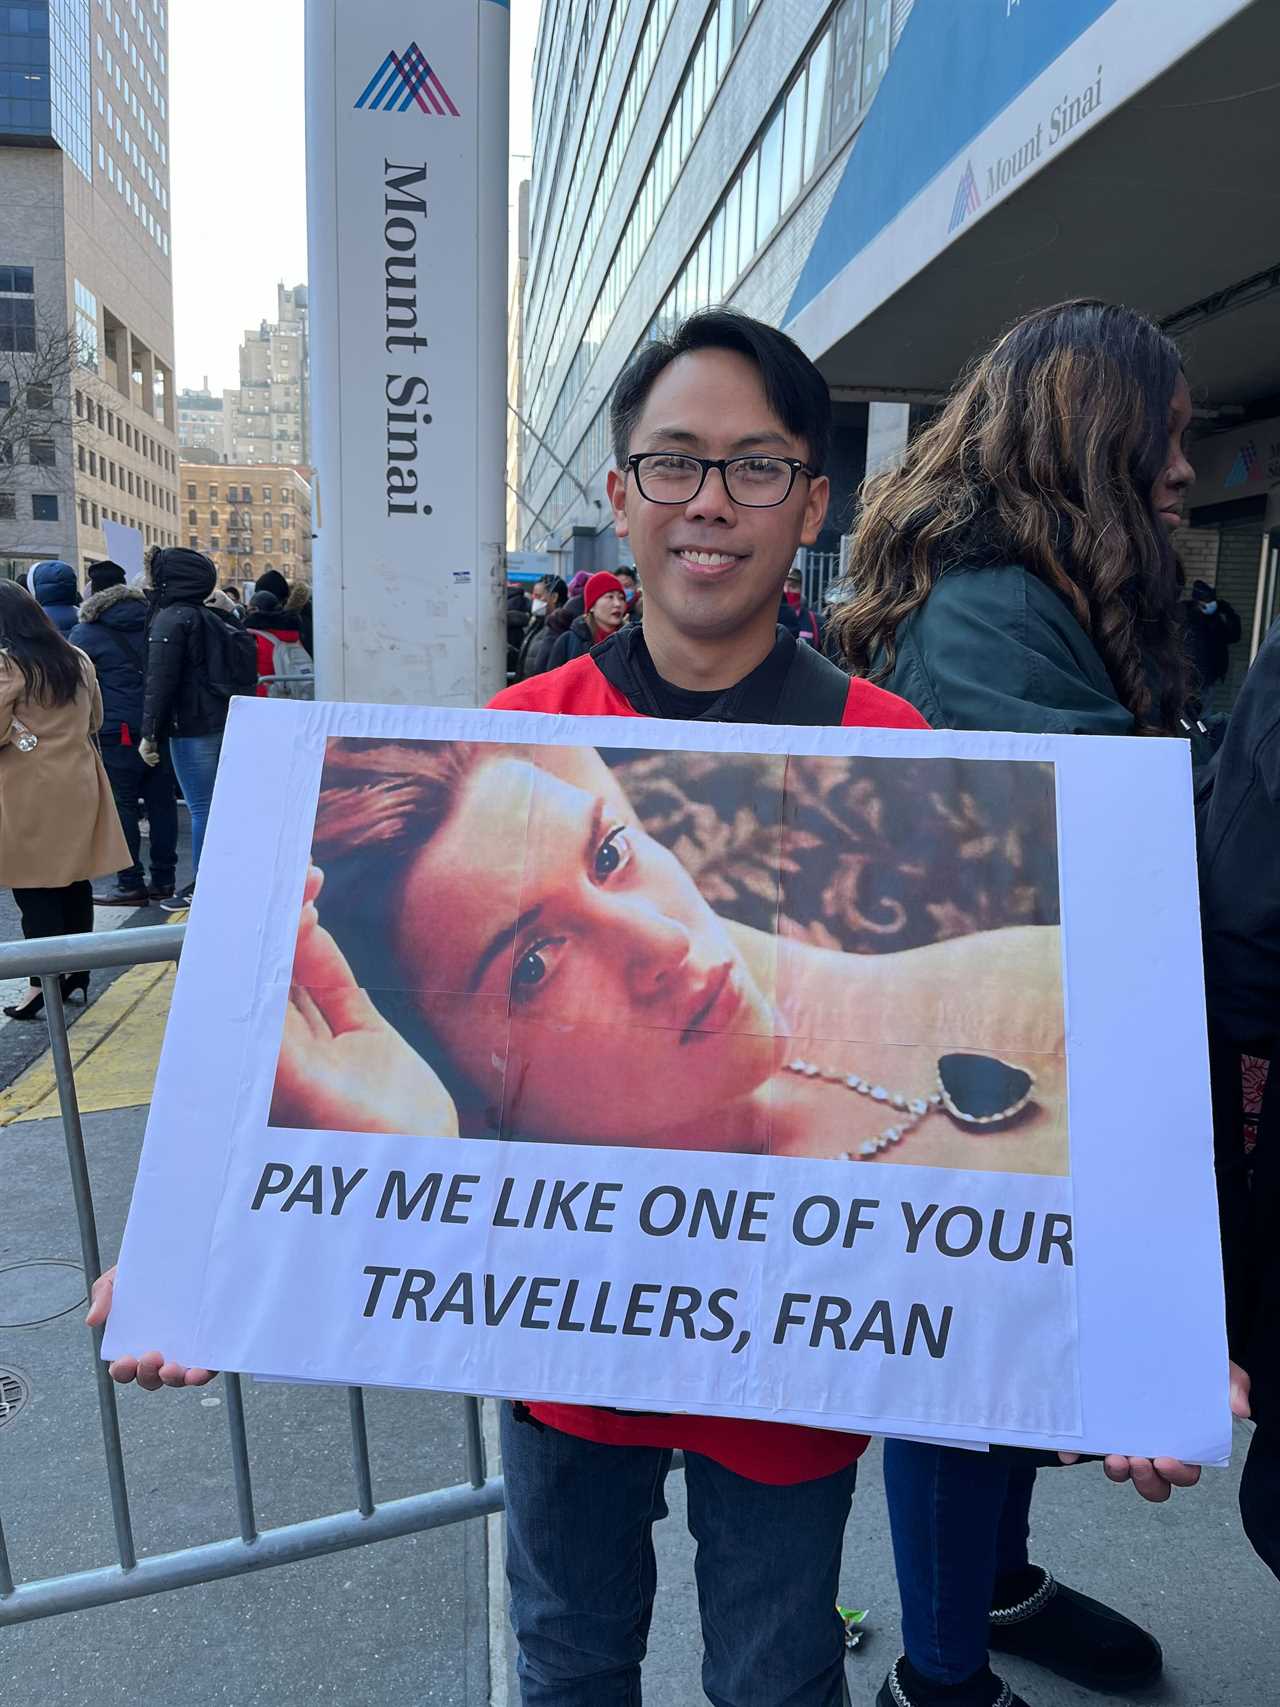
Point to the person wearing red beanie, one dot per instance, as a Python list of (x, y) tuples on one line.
[(604, 610)]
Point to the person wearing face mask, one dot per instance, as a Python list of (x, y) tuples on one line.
[(1213, 628), (549, 594), (604, 610), (1015, 572), (631, 587), (795, 613)]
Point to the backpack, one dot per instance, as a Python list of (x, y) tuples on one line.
[(293, 674), (230, 656)]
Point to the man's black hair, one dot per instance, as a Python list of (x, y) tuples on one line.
[(796, 391)]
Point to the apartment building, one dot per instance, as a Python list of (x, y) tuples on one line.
[(87, 406), (248, 517)]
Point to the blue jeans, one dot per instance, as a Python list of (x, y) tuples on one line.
[(195, 759), (959, 1520), (581, 1568)]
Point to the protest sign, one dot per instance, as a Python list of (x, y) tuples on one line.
[(844, 1077)]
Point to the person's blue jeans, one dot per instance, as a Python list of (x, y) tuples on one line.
[(132, 781), (959, 1520), (581, 1568), (195, 759)]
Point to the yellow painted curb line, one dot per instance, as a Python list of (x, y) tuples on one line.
[(130, 1015)]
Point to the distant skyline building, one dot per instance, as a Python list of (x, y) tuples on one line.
[(87, 406), (202, 425), (269, 416)]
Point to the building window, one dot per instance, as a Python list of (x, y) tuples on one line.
[(266, 494), (193, 542), (213, 518), (84, 511), (17, 325), (191, 491), (191, 518), (87, 325), (43, 453), (94, 510), (80, 458), (215, 544), (8, 507), (17, 281), (44, 507)]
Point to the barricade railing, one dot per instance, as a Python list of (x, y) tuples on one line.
[(252, 1549)]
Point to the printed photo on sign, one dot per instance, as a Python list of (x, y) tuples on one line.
[(850, 958)]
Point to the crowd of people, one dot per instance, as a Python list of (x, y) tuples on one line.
[(109, 705), (1014, 572)]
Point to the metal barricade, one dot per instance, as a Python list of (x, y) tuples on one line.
[(288, 687), (252, 1549)]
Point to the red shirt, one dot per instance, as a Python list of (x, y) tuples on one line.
[(778, 1453)]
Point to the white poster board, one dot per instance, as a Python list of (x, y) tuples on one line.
[(124, 546), (845, 1077), (407, 242)]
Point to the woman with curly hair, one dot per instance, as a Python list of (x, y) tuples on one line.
[(1015, 572)]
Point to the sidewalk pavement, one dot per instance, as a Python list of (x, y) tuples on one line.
[(422, 1620)]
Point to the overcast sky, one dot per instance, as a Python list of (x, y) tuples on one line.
[(237, 159)]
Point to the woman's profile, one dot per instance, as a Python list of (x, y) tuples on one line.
[(491, 943)]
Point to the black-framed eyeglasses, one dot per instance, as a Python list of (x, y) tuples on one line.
[(755, 482)]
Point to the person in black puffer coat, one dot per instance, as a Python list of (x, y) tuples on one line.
[(551, 594), (1239, 802), (112, 631), (180, 699)]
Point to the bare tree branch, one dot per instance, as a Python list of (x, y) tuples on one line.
[(36, 396)]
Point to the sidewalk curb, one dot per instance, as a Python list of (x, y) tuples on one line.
[(36, 1086)]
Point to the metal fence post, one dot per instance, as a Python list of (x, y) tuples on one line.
[(64, 1073)]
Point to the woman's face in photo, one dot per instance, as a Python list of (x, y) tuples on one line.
[(568, 964)]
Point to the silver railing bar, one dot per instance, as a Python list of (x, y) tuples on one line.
[(183, 1569), (360, 1451), (240, 1458), (91, 952), (64, 1073), (6, 1575), (476, 1467)]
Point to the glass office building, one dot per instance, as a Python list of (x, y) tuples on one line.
[(682, 156), (44, 77)]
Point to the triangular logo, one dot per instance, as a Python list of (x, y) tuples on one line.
[(404, 80), (967, 198), (1245, 466)]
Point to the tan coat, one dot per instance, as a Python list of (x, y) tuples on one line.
[(58, 822)]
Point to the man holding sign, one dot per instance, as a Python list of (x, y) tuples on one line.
[(720, 437)]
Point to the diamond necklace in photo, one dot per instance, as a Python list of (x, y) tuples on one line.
[(975, 1090)]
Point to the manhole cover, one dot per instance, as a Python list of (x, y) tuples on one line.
[(15, 1390), (39, 1291)]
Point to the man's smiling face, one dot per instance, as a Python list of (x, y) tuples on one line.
[(711, 568)]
